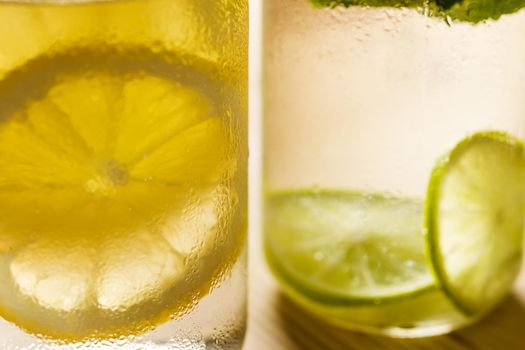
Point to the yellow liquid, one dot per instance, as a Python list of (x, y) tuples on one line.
[(122, 161)]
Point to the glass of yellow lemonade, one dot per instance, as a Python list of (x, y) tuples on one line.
[(123, 150), (394, 160)]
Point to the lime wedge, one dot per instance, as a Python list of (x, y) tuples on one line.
[(345, 248), (475, 219)]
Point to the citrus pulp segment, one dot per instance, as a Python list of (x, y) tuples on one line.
[(475, 219)]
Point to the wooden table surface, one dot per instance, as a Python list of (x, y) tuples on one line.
[(275, 323)]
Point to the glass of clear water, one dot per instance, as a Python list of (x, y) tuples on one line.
[(393, 158)]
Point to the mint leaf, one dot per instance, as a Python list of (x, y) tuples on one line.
[(480, 10), (371, 3), (473, 11)]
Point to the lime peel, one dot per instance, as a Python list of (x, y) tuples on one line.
[(491, 202)]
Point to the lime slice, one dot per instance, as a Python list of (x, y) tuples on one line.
[(117, 194), (464, 10), (475, 219), (346, 248)]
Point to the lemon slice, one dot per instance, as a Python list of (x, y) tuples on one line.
[(116, 193), (475, 219)]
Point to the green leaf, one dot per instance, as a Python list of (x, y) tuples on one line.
[(473, 11)]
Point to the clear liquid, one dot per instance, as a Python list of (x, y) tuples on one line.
[(367, 99)]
